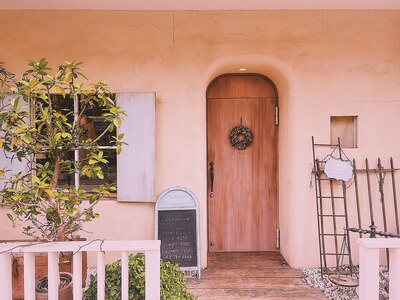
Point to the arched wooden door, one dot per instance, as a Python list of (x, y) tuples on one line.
[(242, 213)]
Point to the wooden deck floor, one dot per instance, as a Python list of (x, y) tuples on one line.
[(251, 275)]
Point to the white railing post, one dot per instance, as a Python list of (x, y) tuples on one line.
[(77, 275), (101, 275), (5, 278), (53, 275), (152, 275), (29, 276), (394, 273), (150, 248), (124, 275), (369, 273)]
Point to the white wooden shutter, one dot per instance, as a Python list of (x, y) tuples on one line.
[(136, 163)]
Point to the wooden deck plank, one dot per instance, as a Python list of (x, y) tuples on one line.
[(265, 272), (205, 294), (251, 275), (240, 282)]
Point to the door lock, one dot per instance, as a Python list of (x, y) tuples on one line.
[(212, 244)]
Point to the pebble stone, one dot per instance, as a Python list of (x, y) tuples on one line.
[(337, 292)]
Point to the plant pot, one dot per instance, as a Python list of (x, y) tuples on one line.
[(65, 265), (65, 288)]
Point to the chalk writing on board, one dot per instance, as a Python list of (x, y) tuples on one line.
[(177, 232)]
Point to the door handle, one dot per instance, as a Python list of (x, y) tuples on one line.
[(212, 179)]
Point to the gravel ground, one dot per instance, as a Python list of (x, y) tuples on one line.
[(337, 292)]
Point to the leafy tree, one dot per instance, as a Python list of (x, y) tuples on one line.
[(32, 126)]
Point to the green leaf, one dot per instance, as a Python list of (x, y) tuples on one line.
[(118, 149), (117, 121), (92, 161), (49, 192), (68, 76), (27, 139), (43, 63), (14, 102)]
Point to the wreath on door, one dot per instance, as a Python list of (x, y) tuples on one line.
[(241, 137)]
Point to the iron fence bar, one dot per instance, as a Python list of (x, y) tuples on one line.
[(381, 182), (321, 242), (357, 195), (371, 213), (373, 233), (377, 170), (396, 211)]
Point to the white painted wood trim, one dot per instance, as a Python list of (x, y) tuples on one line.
[(369, 274), (379, 243), (151, 248), (124, 275), (77, 275), (53, 275), (6, 281), (29, 276), (152, 275), (96, 245), (101, 275), (394, 273)]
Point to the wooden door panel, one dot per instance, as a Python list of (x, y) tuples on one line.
[(243, 211)]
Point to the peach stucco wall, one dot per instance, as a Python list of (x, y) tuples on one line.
[(323, 63)]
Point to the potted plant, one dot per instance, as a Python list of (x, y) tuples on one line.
[(45, 124)]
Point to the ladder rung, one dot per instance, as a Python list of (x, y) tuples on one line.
[(327, 145), (332, 234), (339, 216)]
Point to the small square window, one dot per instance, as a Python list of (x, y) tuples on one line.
[(345, 128)]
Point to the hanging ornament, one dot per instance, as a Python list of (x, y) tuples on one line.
[(241, 137)]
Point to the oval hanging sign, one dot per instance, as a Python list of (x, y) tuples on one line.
[(338, 169)]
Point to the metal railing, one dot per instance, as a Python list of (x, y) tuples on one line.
[(369, 267), (150, 248)]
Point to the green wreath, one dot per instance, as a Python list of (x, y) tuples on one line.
[(241, 137)]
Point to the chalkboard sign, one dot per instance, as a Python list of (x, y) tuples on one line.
[(177, 226), (177, 232)]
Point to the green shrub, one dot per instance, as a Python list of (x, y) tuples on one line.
[(172, 281)]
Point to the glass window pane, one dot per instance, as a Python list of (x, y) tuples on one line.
[(345, 128), (109, 170), (94, 125)]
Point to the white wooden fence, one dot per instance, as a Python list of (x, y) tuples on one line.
[(369, 267), (150, 248)]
